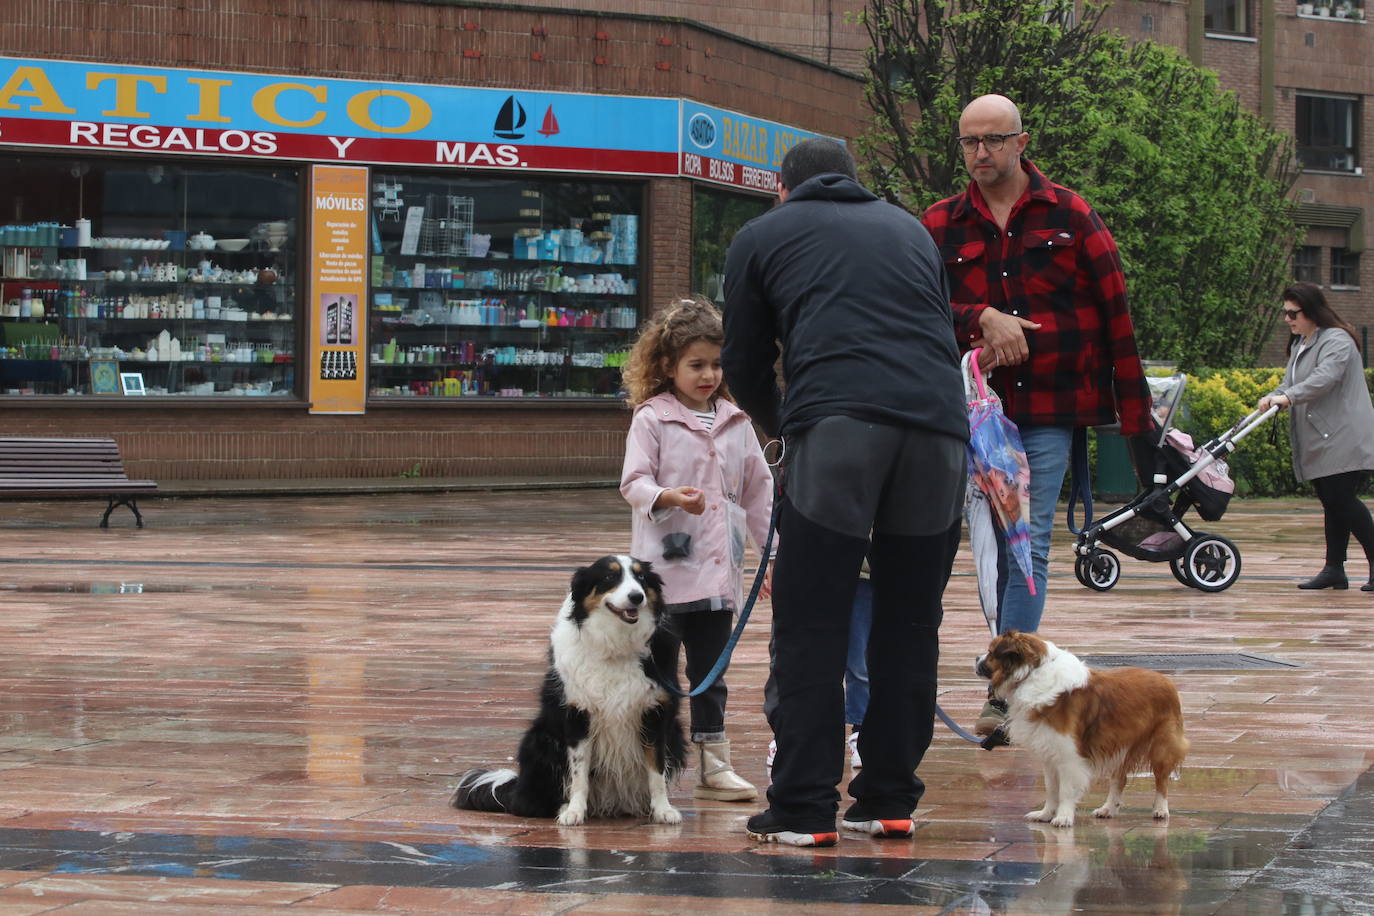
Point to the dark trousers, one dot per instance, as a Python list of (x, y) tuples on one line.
[(703, 634), (1346, 514), (813, 595), (848, 484)]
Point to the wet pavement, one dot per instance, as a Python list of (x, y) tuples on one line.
[(259, 705)]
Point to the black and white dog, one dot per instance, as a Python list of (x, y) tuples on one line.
[(607, 738)]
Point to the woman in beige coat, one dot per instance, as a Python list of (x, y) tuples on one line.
[(1331, 425)]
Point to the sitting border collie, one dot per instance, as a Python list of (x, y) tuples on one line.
[(607, 738)]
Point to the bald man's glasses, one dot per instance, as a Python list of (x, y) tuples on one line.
[(993, 143)]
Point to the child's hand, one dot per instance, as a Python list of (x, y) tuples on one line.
[(766, 590), (689, 499)]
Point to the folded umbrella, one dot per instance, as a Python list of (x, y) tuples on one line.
[(982, 538)]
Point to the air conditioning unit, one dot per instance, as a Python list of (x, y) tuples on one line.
[(1307, 196)]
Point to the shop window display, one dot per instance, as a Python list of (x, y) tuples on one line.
[(182, 273), (501, 287)]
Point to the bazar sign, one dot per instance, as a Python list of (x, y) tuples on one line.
[(107, 106), (735, 149)]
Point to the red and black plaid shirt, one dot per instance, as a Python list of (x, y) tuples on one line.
[(1055, 264)]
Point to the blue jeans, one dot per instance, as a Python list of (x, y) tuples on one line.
[(1047, 454), (856, 665)]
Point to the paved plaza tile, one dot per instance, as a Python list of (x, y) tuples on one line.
[(260, 705)]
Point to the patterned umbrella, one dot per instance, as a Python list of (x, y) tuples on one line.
[(997, 465)]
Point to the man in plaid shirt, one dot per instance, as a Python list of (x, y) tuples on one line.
[(1036, 280)]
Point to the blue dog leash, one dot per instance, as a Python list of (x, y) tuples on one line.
[(719, 667)]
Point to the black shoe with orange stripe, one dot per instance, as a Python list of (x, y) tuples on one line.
[(766, 829), (883, 828), (861, 821)]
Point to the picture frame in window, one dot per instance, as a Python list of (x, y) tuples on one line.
[(104, 376), (131, 383)]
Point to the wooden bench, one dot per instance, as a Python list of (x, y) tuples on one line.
[(42, 468)]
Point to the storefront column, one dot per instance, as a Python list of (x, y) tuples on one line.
[(670, 241)]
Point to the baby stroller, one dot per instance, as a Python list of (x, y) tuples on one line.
[(1174, 476)]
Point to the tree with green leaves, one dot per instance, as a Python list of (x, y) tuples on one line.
[(1193, 187)]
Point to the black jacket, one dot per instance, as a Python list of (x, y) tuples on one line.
[(855, 290)]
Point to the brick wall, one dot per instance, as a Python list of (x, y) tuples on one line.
[(819, 29), (285, 444), (670, 241), (1163, 21)]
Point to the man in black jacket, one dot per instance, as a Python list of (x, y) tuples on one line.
[(875, 434)]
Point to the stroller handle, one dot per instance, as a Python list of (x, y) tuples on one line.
[(1249, 423)]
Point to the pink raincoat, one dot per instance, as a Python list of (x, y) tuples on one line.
[(668, 447)]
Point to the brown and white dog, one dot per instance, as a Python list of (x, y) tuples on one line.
[(1085, 725)]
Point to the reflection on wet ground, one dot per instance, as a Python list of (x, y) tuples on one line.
[(1119, 870), (138, 588), (270, 715)]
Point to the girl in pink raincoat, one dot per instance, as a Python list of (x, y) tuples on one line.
[(699, 487)]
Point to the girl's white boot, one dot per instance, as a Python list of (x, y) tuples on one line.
[(718, 780)]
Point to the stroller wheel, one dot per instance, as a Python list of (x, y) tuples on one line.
[(1181, 572), (1100, 570), (1212, 562)]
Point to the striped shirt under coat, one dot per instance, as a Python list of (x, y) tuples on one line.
[(1331, 420)]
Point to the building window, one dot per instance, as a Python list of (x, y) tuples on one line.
[(1345, 267), (1227, 16), (716, 216), (1307, 264), (1326, 129)]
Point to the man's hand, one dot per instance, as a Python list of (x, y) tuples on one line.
[(987, 359), (689, 499), (1005, 336), (1269, 400)]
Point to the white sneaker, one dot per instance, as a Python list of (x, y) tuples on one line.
[(852, 742)]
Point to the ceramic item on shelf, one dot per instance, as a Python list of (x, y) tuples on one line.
[(232, 244)]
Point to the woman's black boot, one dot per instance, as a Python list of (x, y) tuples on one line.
[(1329, 577)]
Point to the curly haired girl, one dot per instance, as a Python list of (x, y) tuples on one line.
[(699, 487)]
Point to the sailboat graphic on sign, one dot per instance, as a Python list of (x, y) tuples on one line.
[(550, 125), (510, 119)]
